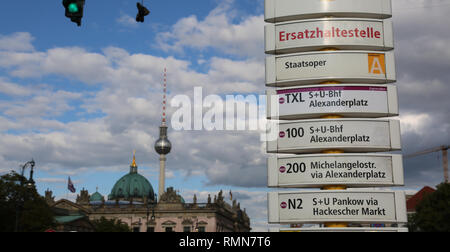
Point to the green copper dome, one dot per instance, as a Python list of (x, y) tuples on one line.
[(96, 197), (132, 186)]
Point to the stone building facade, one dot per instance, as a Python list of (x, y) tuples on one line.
[(132, 201), (170, 214)]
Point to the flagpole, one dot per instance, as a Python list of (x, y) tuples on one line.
[(67, 188)]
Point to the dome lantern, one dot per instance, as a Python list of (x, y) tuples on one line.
[(133, 166), (96, 197), (132, 186)]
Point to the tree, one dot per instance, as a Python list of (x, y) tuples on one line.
[(18, 200), (104, 225), (433, 212)]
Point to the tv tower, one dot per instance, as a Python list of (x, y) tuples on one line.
[(163, 145)]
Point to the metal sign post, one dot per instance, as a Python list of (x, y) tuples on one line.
[(331, 129)]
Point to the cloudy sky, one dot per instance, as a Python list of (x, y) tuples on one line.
[(80, 100)]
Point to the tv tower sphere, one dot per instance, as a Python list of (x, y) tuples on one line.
[(163, 145)]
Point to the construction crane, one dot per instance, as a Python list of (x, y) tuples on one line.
[(444, 149)]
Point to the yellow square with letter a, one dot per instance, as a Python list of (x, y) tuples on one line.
[(377, 63)]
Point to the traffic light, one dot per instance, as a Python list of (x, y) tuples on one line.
[(142, 12), (74, 10)]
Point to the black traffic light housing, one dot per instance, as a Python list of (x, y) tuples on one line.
[(74, 10), (142, 12)]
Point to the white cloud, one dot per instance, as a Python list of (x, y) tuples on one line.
[(72, 62), (22, 64), (127, 21), (44, 104), (51, 180), (414, 122), (237, 76), (77, 63), (13, 89), (130, 100), (218, 31), (18, 41), (135, 73)]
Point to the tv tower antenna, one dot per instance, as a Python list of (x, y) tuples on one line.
[(163, 145)]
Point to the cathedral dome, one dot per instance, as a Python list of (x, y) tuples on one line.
[(132, 186), (96, 197)]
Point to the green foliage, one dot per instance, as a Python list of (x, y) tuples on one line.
[(433, 212), (17, 199), (104, 225)]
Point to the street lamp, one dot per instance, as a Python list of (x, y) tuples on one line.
[(153, 205), (29, 185)]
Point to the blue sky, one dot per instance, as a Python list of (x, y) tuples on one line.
[(100, 25), (79, 99)]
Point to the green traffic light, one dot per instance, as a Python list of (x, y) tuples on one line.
[(73, 8)]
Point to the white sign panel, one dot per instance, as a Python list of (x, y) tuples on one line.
[(314, 35), (350, 135), (340, 230), (368, 101), (341, 66), (286, 10), (337, 206), (352, 170)]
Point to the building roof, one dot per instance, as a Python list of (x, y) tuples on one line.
[(412, 203), (132, 185), (96, 197), (68, 219)]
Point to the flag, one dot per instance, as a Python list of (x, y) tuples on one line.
[(70, 186)]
